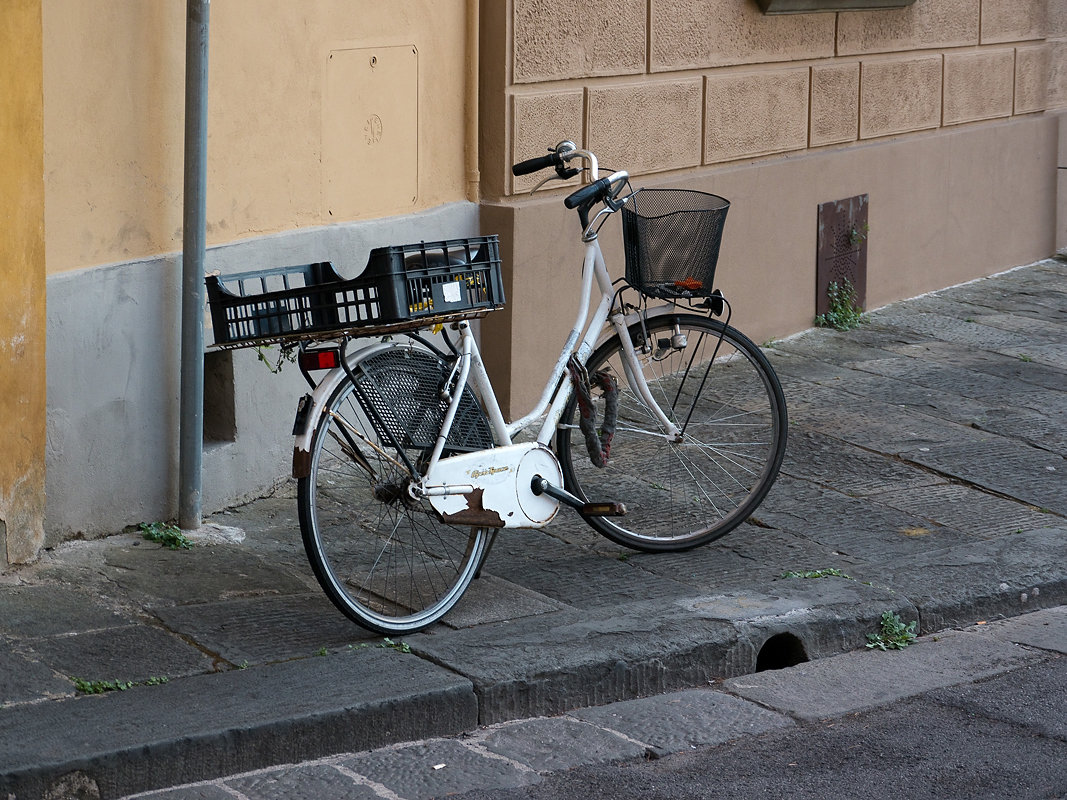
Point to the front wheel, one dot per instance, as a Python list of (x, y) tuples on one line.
[(719, 388), (383, 557)]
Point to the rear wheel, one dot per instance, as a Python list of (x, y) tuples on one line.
[(719, 388), (383, 557)]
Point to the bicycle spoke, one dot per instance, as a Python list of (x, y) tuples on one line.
[(730, 451), (382, 556)]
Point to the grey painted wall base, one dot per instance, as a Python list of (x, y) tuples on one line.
[(113, 378)]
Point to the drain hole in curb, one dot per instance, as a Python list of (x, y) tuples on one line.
[(781, 651)]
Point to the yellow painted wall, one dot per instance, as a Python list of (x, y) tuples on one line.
[(22, 272), (114, 105)]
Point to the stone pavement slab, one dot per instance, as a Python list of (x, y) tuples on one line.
[(685, 720), (261, 630), (863, 680), (820, 616), (573, 658), (493, 599), (311, 782), (558, 743), (974, 513), (50, 610), (1002, 577), (24, 679), (129, 653), (1045, 629), (438, 768)]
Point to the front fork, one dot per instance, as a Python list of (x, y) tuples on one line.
[(635, 377)]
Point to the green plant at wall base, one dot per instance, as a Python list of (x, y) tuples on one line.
[(165, 534), (893, 634), (844, 313)]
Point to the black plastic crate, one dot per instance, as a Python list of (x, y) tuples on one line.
[(403, 286)]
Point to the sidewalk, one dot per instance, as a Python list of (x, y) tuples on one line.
[(926, 463), (977, 712)]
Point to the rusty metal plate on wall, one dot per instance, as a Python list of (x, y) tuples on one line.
[(842, 249), (806, 6)]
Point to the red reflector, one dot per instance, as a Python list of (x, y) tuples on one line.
[(319, 359)]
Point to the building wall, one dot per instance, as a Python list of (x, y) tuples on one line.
[(334, 126), (936, 111), (1057, 103), (22, 353), (291, 96)]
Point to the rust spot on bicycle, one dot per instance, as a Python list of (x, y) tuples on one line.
[(475, 513), (301, 463)]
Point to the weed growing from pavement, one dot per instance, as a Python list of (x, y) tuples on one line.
[(831, 572), (165, 534), (893, 633), (99, 687), (828, 572), (844, 313), (400, 647)]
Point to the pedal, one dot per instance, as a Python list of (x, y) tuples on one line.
[(602, 509), (541, 486)]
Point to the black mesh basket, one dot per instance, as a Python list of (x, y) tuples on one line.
[(400, 389), (672, 239)]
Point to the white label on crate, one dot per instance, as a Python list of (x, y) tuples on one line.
[(451, 292)]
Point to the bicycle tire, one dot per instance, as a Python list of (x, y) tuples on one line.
[(382, 557), (682, 495)]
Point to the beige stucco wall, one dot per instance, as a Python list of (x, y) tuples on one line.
[(114, 105), (937, 111), (764, 84), (22, 325)]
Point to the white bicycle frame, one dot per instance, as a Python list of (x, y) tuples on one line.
[(459, 477)]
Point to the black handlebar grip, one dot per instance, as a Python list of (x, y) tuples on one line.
[(592, 192), (536, 164)]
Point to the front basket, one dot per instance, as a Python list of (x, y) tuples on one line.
[(671, 239)]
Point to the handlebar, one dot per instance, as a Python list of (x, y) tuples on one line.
[(601, 189), (604, 189), (530, 165)]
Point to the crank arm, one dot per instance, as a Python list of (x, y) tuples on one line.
[(541, 486)]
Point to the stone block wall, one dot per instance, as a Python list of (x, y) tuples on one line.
[(664, 85), (945, 114)]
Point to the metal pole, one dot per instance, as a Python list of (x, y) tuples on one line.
[(191, 425)]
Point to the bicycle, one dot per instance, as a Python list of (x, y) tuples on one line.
[(669, 425)]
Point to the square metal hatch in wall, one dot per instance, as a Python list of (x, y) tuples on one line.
[(370, 132), (841, 253)]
